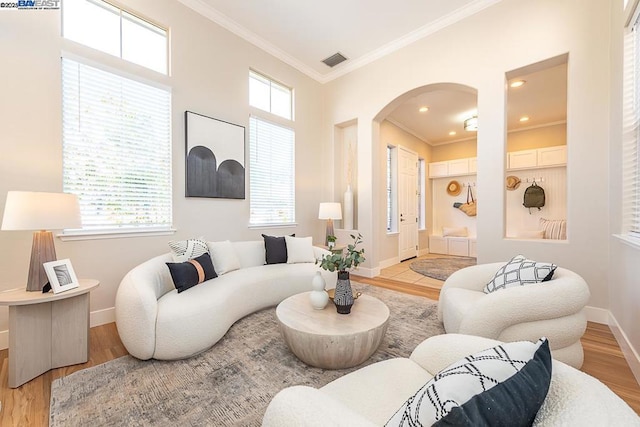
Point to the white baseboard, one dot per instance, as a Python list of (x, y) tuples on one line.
[(597, 315), (367, 272), (102, 317), (389, 262), (96, 318), (630, 353)]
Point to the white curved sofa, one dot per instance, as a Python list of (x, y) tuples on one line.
[(371, 395), (554, 309), (154, 321)]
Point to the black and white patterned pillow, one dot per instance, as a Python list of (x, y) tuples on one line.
[(184, 250), (502, 386), (520, 271)]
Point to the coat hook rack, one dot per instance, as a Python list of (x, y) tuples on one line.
[(535, 179), (469, 184)]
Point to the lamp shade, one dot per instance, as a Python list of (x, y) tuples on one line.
[(28, 210), (330, 210)]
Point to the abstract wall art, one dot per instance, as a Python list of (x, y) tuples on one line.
[(215, 157)]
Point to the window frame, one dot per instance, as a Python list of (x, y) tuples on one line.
[(136, 231), (133, 17), (630, 232)]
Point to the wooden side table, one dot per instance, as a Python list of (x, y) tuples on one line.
[(47, 331)]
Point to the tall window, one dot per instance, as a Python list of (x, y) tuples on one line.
[(422, 179), (116, 149), (271, 154), (102, 26), (631, 131), (392, 179)]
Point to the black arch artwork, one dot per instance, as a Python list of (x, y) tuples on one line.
[(207, 140)]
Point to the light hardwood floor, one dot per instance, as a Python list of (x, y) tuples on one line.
[(28, 405)]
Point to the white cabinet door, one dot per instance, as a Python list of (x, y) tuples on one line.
[(552, 156), (473, 250), (437, 245), (523, 159), (437, 169), (458, 167), (473, 165), (458, 246)]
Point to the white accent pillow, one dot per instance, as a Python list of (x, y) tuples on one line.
[(554, 228), (520, 271), (299, 249), (184, 250), (224, 257), (455, 232)]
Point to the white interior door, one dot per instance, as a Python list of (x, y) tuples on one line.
[(408, 203)]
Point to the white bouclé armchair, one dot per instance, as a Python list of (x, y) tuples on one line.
[(554, 309)]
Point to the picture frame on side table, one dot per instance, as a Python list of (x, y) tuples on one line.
[(61, 275)]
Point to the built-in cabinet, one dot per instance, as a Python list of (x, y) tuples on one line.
[(537, 158), (456, 167), (459, 246)]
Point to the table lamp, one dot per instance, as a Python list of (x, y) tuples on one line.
[(27, 210), (329, 211)]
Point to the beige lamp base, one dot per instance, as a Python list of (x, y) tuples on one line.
[(42, 250), (329, 232)]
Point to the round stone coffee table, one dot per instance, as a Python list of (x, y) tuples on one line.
[(326, 339)]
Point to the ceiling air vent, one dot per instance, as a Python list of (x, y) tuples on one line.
[(334, 59)]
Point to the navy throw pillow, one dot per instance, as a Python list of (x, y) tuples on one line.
[(275, 249), (193, 272)]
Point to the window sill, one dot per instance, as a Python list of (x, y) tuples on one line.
[(634, 242), (68, 236), (393, 233), (266, 226)]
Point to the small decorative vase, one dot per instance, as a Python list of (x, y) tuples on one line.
[(319, 297), (343, 297), (331, 245)]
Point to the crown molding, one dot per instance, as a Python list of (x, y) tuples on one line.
[(225, 22)]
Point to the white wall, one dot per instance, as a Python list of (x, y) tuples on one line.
[(209, 75), (476, 53), (444, 214)]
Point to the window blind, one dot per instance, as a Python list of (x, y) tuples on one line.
[(631, 133), (271, 173), (116, 149)]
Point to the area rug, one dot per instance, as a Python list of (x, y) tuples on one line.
[(230, 384), (441, 268)]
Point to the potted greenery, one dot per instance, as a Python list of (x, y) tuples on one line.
[(331, 242), (342, 262)]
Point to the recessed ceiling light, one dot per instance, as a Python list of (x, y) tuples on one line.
[(524, 118), (517, 83), (453, 132), (423, 109)]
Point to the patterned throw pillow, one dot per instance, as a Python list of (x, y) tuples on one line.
[(184, 250), (193, 272), (520, 271), (502, 386)]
